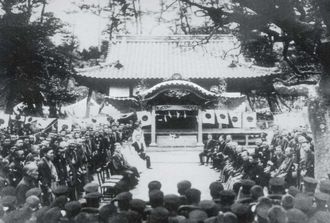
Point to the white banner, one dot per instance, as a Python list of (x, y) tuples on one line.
[(249, 120), (64, 124), (4, 119), (222, 116), (236, 119), (208, 116), (40, 123), (144, 117)]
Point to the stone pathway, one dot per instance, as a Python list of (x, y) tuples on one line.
[(171, 167)]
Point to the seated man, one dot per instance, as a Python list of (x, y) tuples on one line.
[(287, 168), (121, 166), (208, 149), (139, 147)]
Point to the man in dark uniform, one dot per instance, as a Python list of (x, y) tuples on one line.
[(47, 173), (217, 156), (208, 149), (29, 181), (60, 162), (5, 147), (262, 152)]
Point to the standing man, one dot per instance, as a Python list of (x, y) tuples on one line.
[(139, 147), (47, 173), (29, 181)]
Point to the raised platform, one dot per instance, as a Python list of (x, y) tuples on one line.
[(174, 148), (172, 138)]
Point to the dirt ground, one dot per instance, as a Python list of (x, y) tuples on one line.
[(171, 167)]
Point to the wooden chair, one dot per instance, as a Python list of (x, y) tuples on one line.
[(107, 188), (108, 176)]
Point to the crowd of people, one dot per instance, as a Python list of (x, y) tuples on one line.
[(68, 159), (289, 155), (50, 177)]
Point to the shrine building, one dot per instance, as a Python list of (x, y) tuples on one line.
[(177, 81)]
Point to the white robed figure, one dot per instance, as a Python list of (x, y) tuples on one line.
[(131, 154)]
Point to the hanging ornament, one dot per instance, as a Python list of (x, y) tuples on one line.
[(165, 119), (169, 114), (177, 114), (184, 114)]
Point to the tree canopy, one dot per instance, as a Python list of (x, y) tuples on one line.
[(32, 68)]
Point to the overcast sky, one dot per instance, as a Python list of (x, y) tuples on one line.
[(88, 27)]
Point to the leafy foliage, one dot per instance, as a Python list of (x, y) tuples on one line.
[(37, 71)]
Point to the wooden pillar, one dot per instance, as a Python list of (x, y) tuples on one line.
[(200, 128), (90, 92), (153, 127)]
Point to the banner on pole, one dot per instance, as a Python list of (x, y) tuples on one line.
[(236, 119), (249, 120), (4, 120), (208, 116), (144, 117), (222, 117)]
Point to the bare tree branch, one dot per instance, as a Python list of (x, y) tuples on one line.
[(283, 102), (294, 83)]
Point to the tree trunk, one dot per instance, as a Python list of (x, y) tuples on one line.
[(52, 110), (319, 116), (11, 98)]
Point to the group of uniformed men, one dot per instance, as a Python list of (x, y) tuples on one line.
[(288, 155), (69, 158)]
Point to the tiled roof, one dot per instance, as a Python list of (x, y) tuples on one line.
[(135, 57)]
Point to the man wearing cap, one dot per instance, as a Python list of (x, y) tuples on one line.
[(245, 189), (277, 214), (243, 212), (310, 185), (261, 209), (154, 185), (172, 203), (123, 200), (156, 198), (158, 215), (227, 198), (321, 201), (287, 201), (276, 189), (182, 187), (215, 189), (29, 181)]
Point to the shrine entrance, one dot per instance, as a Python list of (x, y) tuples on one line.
[(176, 125), (176, 110)]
